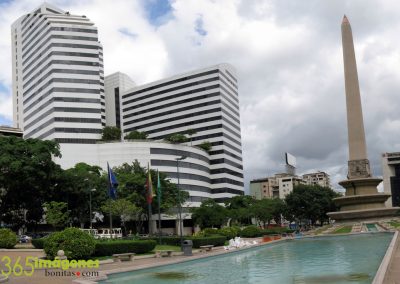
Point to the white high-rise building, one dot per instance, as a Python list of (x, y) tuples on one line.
[(58, 80), (204, 101)]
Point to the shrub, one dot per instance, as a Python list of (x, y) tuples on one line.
[(110, 247), (8, 239), (209, 232), (212, 240), (229, 232), (38, 243), (172, 241), (251, 232), (75, 243)]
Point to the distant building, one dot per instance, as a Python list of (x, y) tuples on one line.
[(279, 186), (318, 178), (391, 177), (10, 131)]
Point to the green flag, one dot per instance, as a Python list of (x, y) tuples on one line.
[(158, 187)]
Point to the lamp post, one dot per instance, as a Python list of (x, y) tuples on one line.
[(179, 199), (90, 206)]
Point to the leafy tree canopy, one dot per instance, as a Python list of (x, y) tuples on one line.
[(210, 214), (110, 133), (57, 214), (240, 209), (136, 135)]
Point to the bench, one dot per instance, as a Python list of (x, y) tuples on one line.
[(206, 248), (126, 256), (161, 253)]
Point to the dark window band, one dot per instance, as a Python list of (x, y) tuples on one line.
[(230, 74), (226, 171), (226, 161), (192, 187), (229, 80), (76, 140), (227, 190), (224, 143), (225, 152), (178, 153), (226, 180)]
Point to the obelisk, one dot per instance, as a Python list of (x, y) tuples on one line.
[(361, 200), (358, 161)]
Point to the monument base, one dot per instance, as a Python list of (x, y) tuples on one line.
[(359, 215), (362, 201)]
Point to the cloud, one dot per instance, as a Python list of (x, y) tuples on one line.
[(288, 58)]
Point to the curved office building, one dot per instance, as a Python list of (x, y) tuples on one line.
[(58, 80), (194, 170), (204, 101)]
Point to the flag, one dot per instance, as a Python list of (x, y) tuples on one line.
[(158, 187), (149, 187), (112, 183)]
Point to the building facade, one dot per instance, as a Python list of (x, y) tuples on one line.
[(115, 84), (391, 177), (10, 131), (203, 101), (318, 178), (264, 188), (58, 80)]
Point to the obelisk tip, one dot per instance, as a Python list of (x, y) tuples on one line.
[(345, 20)]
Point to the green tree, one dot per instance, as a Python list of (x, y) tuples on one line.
[(176, 138), (206, 146), (136, 135), (75, 188), (57, 213), (28, 178), (132, 180), (110, 133), (266, 210), (240, 209), (310, 202), (123, 208), (209, 215)]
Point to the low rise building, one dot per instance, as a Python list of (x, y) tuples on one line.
[(318, 178), (391, 177), (10, 131)]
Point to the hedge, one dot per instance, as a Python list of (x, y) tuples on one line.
[(251, 232), (8, 239), (212, 240), (38, 243), (110, 247), (75, 243)]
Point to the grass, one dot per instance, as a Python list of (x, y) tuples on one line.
[(395, 224), (343, 230)]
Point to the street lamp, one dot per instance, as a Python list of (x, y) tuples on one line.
[(179, 199), (90, 206)]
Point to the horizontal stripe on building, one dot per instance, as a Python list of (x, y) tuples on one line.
[(227, 180), (50, 37), (58, 71), (60, 119), (226, 171), (229, 80), (170, 90), (62, 90), (76, 140), (226, 161), (46, 56), (64, 130), (60, 80), (46, 30), (224, 143), (171, 82), (224, 152), (187, 176), (51, 110), (230, 74), (182, 164), (68, 63), (173, 152)]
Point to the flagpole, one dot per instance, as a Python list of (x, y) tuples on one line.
[(109, 190), (159, 201)]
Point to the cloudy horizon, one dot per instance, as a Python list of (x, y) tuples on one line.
[(288, 58)]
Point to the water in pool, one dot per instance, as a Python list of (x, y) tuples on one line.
[(341, 259)]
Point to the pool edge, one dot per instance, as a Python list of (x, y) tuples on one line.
[(387, 259)]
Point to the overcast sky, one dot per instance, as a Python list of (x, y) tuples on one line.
[(289, 63)]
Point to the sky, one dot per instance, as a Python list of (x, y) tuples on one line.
[(288, 58)]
